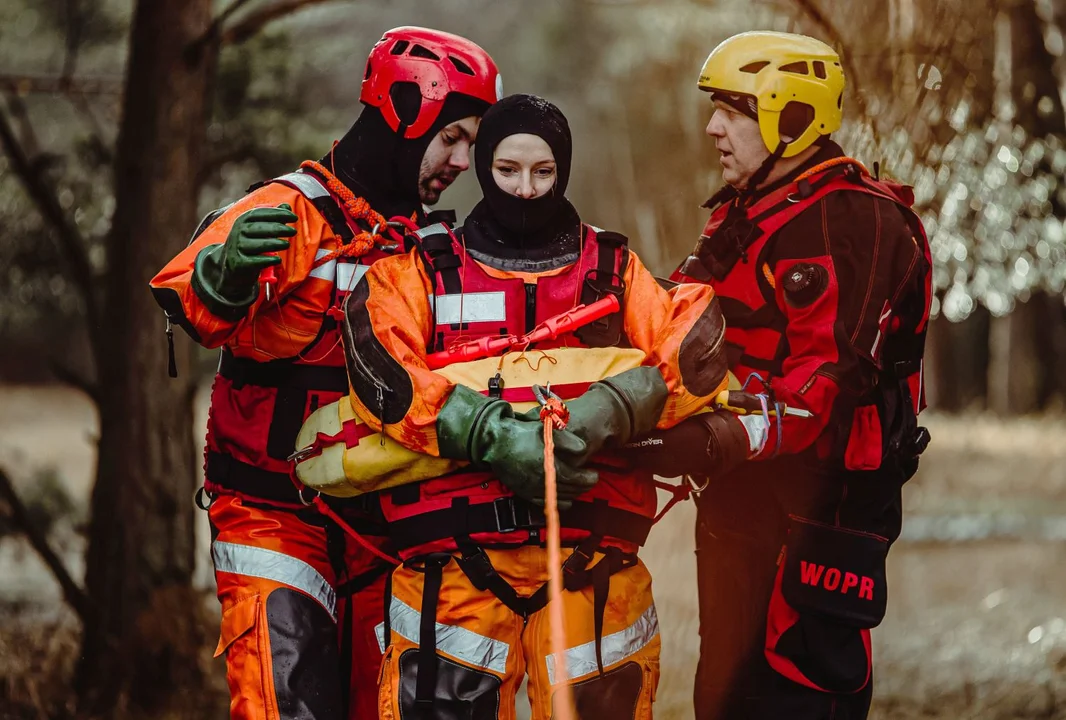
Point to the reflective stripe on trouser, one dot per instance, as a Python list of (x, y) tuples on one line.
[(484, 651), (276, 585)]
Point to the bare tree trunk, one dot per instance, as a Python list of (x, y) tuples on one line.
[(1019, 372), (141, 549)]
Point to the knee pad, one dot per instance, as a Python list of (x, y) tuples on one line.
[(462, 693), (614, 694), (305, 658)]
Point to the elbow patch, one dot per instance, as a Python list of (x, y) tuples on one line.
[(380, 382), (701, 357)]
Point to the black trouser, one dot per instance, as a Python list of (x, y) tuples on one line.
[(743, 522)]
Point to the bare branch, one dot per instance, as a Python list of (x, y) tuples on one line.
[(254, 22), (27, 136), (72, 592), (51, 84), (71, 244)]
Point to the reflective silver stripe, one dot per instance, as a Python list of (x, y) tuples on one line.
[(475, 307), (431, 230), (308, 185), (460, 643), (325, 271), (379, 633), (276, 566), (349, 275), (618, 646)]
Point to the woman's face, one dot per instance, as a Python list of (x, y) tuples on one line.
[(523, 165)]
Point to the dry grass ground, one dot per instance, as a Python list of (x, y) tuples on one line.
[(976, 626)]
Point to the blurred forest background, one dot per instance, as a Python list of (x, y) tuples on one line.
[(122, 122)]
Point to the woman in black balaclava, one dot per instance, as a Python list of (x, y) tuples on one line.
[(524, 259), (522, 228)]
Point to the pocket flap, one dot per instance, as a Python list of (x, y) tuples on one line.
[(835, 572), (237, 619)]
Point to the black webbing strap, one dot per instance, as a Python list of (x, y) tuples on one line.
[(477, 567), (509, 514), (282, 374), (362, 581), (386, 632), (605, 279), (426, 681), (228, 472)]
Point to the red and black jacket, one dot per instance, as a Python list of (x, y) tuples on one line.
[(825, 285)]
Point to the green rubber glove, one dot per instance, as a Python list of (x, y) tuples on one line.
[(614, 411), (226, 277), (485, 431)]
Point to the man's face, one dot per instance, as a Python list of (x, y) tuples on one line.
[(739, 144), (448, 155)]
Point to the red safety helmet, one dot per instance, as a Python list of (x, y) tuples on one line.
[(438, 62)]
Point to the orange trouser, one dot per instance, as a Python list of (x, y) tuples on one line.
[(483, 648), (289, 632)]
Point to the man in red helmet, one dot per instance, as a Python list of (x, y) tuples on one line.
[(265, 279)]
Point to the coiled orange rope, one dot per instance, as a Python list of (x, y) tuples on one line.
[(357, 207), (555, 416)]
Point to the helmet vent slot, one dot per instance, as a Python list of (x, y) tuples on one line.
[(754, 67), (461, 66), (819, 69), (419, 51), (399, 47), (797, 68)]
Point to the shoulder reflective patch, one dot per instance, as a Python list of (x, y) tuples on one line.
[(276, 566), (469, 307), (616, 647), (434, 229), (462, 644), (307, 184)]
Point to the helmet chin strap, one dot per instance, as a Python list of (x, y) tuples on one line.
[(760, 175)]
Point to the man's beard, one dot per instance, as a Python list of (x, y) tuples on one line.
[(429, 194)]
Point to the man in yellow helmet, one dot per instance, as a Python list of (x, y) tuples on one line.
[(823, 274)]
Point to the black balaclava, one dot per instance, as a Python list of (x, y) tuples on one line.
[(524, 220), (382, 166)]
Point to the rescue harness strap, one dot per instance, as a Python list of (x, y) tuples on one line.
[(508, 514), (475, 564), (282, 374)]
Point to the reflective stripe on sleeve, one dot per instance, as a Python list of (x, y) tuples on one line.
[(308, 185)]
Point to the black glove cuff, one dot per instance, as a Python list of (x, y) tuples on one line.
[(727, 440)]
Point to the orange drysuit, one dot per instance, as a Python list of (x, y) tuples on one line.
[(464, 621), (299, 599)]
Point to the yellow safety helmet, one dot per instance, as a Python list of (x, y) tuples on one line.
[(777, 69)]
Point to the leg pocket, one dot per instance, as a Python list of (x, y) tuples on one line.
[(828, 593), (240, 640), (462, 693), (615, 694)]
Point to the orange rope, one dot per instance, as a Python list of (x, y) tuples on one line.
[(357, 207), (555, 415), (833, 162)]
